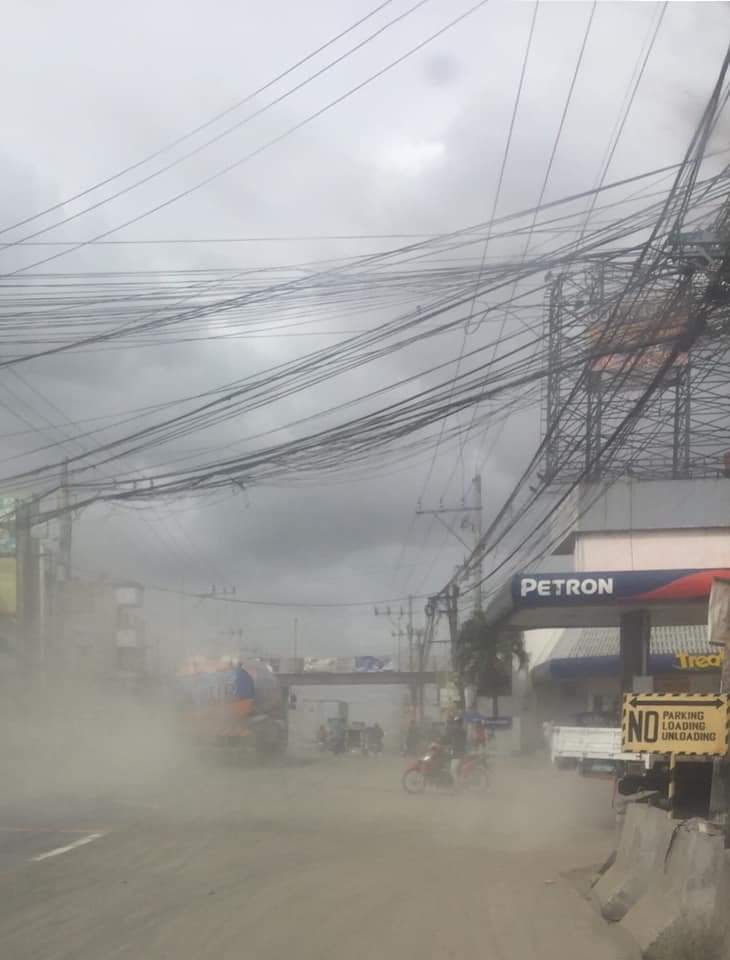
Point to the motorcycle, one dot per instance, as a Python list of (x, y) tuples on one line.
[(433, 770)]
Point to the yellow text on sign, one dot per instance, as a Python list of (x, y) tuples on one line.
[(691, 661), (675, 723)]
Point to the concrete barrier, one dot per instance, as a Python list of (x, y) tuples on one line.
[(721, 912), (643, 843), (683, 883)]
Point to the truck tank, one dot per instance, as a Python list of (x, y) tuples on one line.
[(227, 700)]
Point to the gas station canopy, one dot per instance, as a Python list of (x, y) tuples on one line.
[(600, 598)]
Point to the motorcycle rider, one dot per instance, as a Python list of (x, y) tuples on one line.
[(455, 740), (480, 738)]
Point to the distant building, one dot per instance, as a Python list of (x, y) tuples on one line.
[(99, 630)]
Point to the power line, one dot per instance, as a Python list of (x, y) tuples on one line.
[(203, 126), (151, 321), (693, 157), (543, 188), (221, 135), (265, 146), (492, 217), (297, 367), (284, 604)]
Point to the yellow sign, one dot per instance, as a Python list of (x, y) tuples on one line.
[(694, 661), (688, 723), (7, 585)]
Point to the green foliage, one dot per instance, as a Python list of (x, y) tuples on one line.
[(483, 655)]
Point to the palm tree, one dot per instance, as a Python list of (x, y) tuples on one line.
[(483, 656)]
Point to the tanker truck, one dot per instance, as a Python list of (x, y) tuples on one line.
[(232, 703)]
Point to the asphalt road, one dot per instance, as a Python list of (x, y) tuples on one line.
[(320, 859)]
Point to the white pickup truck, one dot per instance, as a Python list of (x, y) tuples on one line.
[(590, 749)]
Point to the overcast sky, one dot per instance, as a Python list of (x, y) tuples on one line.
[(94, 87)]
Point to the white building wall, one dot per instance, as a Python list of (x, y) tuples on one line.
[(653, 550)]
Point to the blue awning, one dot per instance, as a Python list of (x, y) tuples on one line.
[(573, 668)]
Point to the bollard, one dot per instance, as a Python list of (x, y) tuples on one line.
[(672, 784)]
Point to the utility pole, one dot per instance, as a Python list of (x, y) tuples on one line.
[(63, 565), (27, 586), (398, 632), (425, 642), (43, 604), (448, 602), (183, 641), (22, 571), (296, 638), (413, 688), (421, 662), (410, 634), (65, 521), (477, 526), (477, 484), (718, 630)]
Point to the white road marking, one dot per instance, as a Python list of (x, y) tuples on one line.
[(82, 841)]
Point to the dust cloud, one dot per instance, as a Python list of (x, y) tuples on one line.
[(67, 740), (69, 744), (198, 852)]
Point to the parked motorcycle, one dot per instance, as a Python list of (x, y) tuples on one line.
[(433, 770)]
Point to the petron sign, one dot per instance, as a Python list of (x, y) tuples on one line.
[(622, 586), (693, 724)]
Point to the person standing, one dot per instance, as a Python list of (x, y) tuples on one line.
[(455, 740)]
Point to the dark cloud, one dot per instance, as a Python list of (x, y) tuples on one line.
[(441, 70), (419, 151)]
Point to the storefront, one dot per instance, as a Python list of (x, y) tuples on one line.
[(577, 682)]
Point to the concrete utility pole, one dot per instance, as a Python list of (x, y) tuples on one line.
[(476, 509), (27, 584), (43, 559), (65, 521), (421, 665), (410, 634), (425, 642), (477, 484), (718, 630), (63, 564), (450, 599), (398, 631)]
